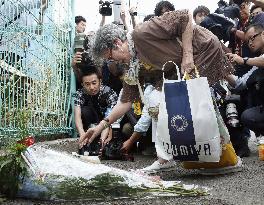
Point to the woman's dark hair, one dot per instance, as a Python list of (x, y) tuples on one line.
[(78, 19), (201, 9), (163, 4)]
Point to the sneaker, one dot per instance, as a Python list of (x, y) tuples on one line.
[(157, 166), (224, 170)]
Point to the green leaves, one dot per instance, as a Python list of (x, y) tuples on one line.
[(108, 186), (12, 170)]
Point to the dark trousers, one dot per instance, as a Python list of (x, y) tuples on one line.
[(89, 116), (253, 118)]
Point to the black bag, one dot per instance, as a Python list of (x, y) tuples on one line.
[(93, 149), (112, 151)]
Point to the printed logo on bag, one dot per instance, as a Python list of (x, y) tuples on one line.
[(179, 123)]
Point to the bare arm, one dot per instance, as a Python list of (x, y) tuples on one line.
[(123, 18), (133, 17), (102, 23), (240, 35), (257, 61), (78, 120), (231, 80), (134, 22), (77, 58), (187, 37), (127, 145)]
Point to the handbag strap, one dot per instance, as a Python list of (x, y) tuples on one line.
[(177, 70), (187, 76)]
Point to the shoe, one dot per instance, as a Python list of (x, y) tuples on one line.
[(243, 151), (224, 170), (157, 166)]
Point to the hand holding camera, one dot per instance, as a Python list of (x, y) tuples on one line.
[(133, 11), (105, 8), (77, 58), (123, 16)]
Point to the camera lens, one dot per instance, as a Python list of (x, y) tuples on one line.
[(232, 115)]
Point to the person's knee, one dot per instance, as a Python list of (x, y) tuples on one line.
[(127, 130), (246, 117)]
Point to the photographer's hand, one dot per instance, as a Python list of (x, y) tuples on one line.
[(132, 12), (77, 58), (123, 18), (102, 23), (234, 58)]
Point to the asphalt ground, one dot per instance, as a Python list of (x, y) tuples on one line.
[(241, 188)]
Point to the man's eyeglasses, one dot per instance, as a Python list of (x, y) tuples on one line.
[(110, 58), (252, 38)]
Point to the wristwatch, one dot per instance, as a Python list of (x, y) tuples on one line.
[(245, 60), (106, 124)]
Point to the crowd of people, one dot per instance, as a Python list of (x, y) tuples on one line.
[(226, 46)]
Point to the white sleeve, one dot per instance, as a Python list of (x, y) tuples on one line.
[(241, 83)]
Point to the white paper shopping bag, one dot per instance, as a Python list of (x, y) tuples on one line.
[(187, 126)]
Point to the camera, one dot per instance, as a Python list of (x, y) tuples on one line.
[(232, 115), (105, 8), (133, 13), (81, 43)]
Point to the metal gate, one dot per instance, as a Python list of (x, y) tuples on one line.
[(35, 50)]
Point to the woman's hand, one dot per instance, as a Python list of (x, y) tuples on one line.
[(187, 65), (89, 136), (106, 136)]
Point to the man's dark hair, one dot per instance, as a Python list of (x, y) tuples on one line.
[(254, 7), (222, 3), (258, 27), (90, 70), (163, 4), (148, 17), (78, 19), (201, 9)]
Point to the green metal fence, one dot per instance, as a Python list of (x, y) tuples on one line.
[(35, 50)]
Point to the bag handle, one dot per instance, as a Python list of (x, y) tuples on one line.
[(187, 76), (177, 70)]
